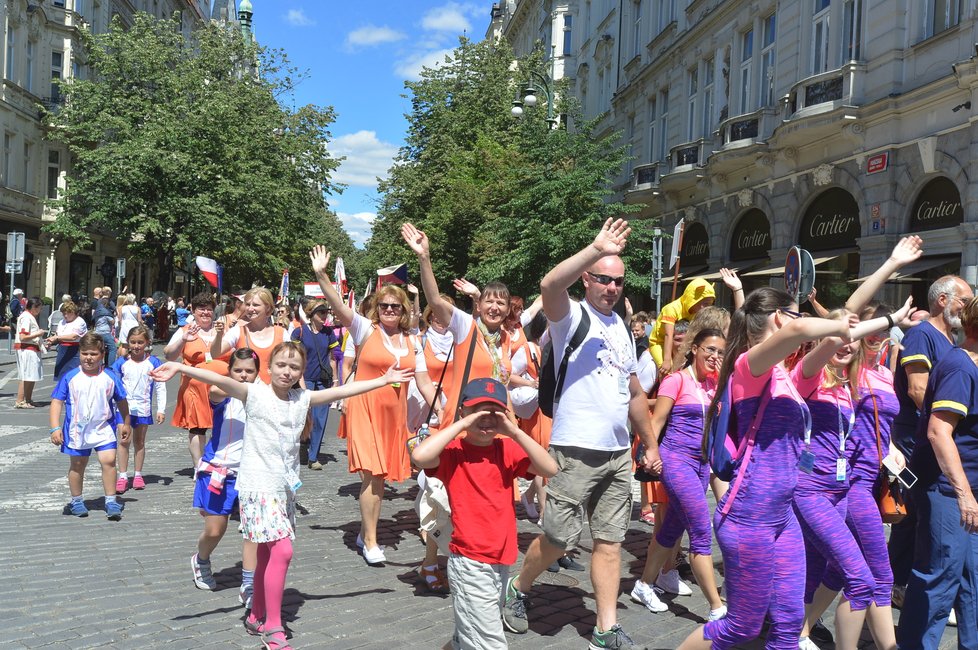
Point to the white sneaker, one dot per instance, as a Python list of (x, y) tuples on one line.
[(374, 555), (952, 620), (644, 594), (530, 507), (671, 584), (718, 613), (804, 643)]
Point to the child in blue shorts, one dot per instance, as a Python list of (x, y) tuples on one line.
[(134, 370), (88, 398), (215, 493)]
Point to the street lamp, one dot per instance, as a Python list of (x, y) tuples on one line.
[(539, 84)]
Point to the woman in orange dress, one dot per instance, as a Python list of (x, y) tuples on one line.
[(492, 357), (192, 344), (259, 334), (376, 422)]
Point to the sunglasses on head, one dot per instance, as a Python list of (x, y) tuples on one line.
[(607, 279), (390, 306)]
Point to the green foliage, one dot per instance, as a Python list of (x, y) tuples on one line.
[(499, 198), (181, 147)]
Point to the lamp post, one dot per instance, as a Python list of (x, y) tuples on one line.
[(539, 84)]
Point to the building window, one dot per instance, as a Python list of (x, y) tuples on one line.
[(568, 34), (692, 77), (767, 60), (80, 7), (8, 142), (57, 67), (27, 168), (942, 15), (637, 28), (54, 173), (746, 61), (852, 27), (11, 51), (820, 37), (631, 133), (708, 73), (652, 143), (665, 10), (29, 73), (59, 3), (663, 125)]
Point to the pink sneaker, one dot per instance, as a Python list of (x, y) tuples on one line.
[(138, 483), (121, 485)]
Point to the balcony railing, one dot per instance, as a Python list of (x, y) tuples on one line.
[(687, 155), (646, 177), (826, 90), (748, 128)]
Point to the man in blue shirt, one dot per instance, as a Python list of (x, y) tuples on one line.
[(319, 342)]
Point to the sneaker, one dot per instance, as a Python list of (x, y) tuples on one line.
[(374, 555), (718, 613), (77, 508), (805, 643), (113, 510), (244, 595), (138, 483), (568, 562), (530, 507), (613, 638), (315, 465), (897, 595), (203, 578), (514, 610), (121, 485), (644, 594), (359, 542), (671, 584), (952, 619), (821, 633)]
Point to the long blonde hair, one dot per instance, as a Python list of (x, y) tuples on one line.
[(831, 380)]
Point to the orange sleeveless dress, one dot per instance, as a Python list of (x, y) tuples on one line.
[(264, 354), (481, 366), (193, 408), (375, 423), (538, 425)]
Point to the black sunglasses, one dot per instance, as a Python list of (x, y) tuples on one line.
[(392, 306), (607, 279)]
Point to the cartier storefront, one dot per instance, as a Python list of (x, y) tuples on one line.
[(829, 231)]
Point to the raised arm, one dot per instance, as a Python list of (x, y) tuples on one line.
[(736, 286), (773, 350), (418, 242), (320, 266), (230, 387), (907, 250), (349, 389), (553, 288)]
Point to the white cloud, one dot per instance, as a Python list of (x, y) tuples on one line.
[(298, 18), (373, 35), (367, 158), (451, 17), (410, 67), (358, 225)]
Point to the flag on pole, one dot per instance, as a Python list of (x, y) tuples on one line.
[(676, 236), (392, 275), (210, 270), (370, 286), (339, 277), (283, 290), (350, 300)]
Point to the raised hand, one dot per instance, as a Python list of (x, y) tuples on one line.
[(464, 286), (416, 240), (411, 289), (166, 371), (907, 250), (612, 237), (190, 334), (729, 277), (319, 257), (902, 316), (218, 327)]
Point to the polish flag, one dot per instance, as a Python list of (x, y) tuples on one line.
[(210, 270), (339, 277)]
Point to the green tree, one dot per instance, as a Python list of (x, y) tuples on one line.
[(499, 198), (180, 147)]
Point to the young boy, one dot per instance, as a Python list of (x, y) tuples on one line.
[(478, 471), (89, 398)]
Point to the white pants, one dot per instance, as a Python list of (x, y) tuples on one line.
[(477, 590)]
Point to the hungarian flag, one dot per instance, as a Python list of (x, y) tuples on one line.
[(211, 271), (283, 290), (392, 275), (339, 277)]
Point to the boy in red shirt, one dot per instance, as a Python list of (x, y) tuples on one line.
[(478, 471)]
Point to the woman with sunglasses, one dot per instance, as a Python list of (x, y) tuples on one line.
[(678, 419), (492, 356), (376, 422)]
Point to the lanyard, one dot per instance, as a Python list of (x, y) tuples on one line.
[(805, 413), (843, 431)]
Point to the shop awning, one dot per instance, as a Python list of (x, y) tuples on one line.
[(739, 267), (683, 274), (921, 265), (779, 269)]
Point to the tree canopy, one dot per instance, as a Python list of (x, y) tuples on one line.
[(500, 198), (181, 146)]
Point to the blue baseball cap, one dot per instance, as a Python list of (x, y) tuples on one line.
[(484, 391)]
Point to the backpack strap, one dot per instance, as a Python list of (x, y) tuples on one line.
[(468, 367), (746, 446), (575, 342)]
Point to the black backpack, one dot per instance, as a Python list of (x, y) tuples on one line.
[(551, 383)]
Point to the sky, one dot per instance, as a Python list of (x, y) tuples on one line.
[(357, 56)]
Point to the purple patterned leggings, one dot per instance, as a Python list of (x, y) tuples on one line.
[(686, 480)]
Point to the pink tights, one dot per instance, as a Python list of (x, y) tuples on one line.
[(273, 563)]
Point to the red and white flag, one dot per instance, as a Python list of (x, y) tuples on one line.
[(350, 300), (209, 269), (339, 277), (397, 274)]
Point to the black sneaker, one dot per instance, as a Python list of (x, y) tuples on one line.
[(514, 610), (615, 639), (821, 633), (568, 562)]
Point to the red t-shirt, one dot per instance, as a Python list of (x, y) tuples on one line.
[(479, 481)]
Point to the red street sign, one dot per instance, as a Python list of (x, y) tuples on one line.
[(878, 163)]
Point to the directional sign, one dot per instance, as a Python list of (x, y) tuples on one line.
[(807, 281), (14, 267), (792, 271), (15, 247)]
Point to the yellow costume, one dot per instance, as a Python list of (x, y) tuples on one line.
[(696, 291)]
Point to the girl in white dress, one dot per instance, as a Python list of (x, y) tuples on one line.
[(269, 473), (129, 316)]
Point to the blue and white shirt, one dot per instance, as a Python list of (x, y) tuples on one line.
[(90, 407), (140, 386), (227, 437)]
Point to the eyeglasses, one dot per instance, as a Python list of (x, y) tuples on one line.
[(713, 352), (793, 314), (607, 279), (389, 306)]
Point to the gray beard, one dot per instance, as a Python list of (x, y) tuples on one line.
[(954, 322)]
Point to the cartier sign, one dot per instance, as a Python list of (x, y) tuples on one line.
[(751, 238), (696, 245), (938, 206), (831, 222)]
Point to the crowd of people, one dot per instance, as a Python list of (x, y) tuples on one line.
[(823, 412)]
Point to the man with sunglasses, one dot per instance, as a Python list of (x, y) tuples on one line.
[(590, 438)]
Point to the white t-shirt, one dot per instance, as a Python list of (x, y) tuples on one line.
[(76, 326), (593, 408), (271, 441), (647, 371)]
